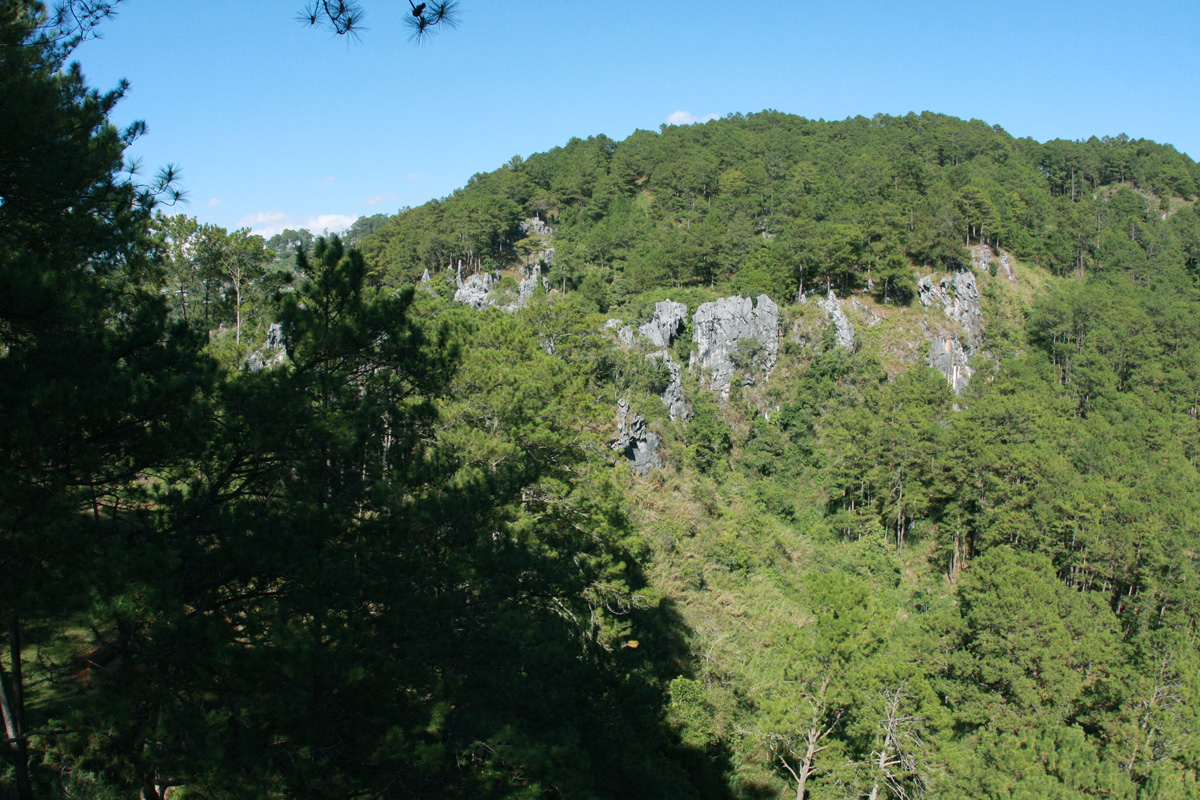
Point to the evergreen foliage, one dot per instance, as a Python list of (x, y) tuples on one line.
[(278, 520)]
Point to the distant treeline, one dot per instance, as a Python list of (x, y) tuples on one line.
[(780, 203)]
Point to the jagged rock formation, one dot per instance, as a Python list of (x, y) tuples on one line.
[(530, 275), (663, 328), (718, 328), (625, 333), (474, 290), (425, 276), (843, 329), (271, 353), (638, 445), (536, 226), (982, 257), (958, 295), (666, 324), (948, 356), (672, 396)]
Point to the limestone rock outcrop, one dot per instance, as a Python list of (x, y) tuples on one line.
[(843, 328), (531, 275), (958, 296), (666, 324), (625, 333), (948, 356), (661, 330), (672, 396), (719, 327), (982, 257), (536, 226), (638, 445), (474, 290), (271, 353)]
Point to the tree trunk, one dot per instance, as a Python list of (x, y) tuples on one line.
[(806, 766), (12, 705)]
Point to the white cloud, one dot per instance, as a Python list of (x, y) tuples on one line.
[(269, 223), (266, 223), (329, 179), (687, 118), (216, 201), (334, 223), (416, 176), (380, 198)]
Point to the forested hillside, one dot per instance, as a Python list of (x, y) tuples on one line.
[(520, 498)]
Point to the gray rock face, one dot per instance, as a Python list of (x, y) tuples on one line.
[(718, 327), (425, 276), (958, 295), (672, 396), (666, 324), (843, 329), (948, 356), (475, 289), (530, 275), (1006, 267), (982, 257), (625, 333), (535, 225), (638, 445), (271, 353)]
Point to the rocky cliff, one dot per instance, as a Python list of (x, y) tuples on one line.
[(843, 328), (719, 328), (638, 445), (950, 352)]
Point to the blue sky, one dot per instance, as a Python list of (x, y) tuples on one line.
[(277, 125)]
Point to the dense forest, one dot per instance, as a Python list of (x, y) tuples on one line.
[(286, 518)]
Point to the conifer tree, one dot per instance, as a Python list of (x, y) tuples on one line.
[(96, 386)]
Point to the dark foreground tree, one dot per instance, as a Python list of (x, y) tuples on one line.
[(96, 387), (346, 17)]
